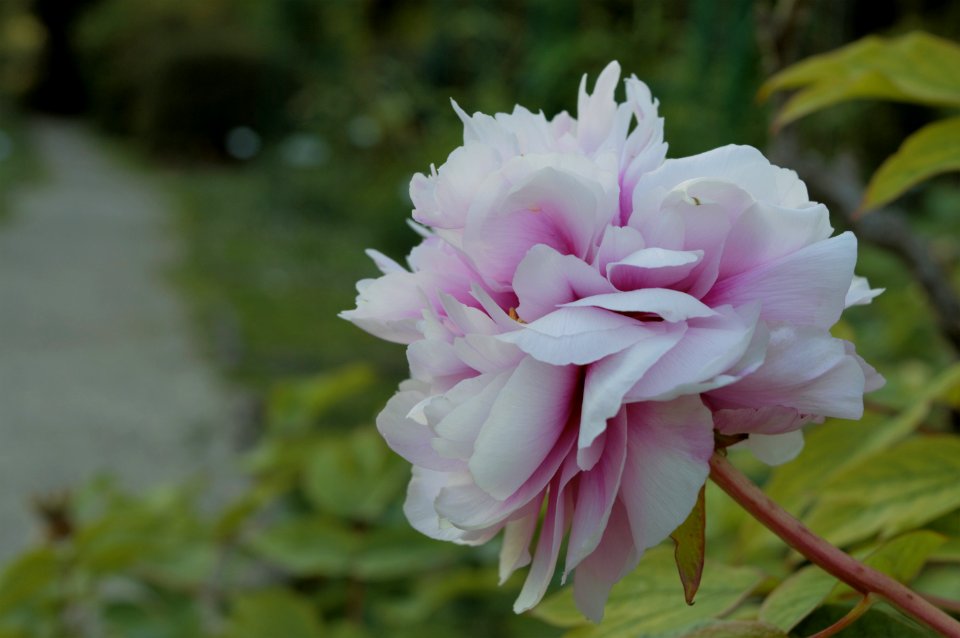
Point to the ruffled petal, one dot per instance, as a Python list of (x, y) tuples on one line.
[(576, 335), (807, 287), (546, 279)]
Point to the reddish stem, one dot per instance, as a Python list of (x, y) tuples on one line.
[(860, 577)]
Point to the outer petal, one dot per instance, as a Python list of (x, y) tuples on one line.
[(595, 113), (407, 437), (775, 449), (421, 494), (860, 292), (807, 287), (668, 450), (765, 232), (806, 369), (517, 534), (615, 557), (597, 490), (548, 545)]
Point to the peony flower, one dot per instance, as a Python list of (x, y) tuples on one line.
[(582, 316)]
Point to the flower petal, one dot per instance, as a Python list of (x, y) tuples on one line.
[(775, 449), (409, 439), (807, 287), (615, 557), (608, 380), (525, 423), (668, 448), (576, 335), (597, 490), (670, 305), (805, 369), (545, 280)]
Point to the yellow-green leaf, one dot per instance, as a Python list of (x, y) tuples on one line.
[(796, 597), (895, 490), (932, 150), (836, 445), (690, 545), (650, 602), (916, 67), (904, 556), (737, 629)]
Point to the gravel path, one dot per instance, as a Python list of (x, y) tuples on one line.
[(99, 370)]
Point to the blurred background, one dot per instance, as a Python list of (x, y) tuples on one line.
[(186, 190)]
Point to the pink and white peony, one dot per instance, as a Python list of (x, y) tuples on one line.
[(583, 315)]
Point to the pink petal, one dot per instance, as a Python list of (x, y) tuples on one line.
[(524, 424), (615, 557), (772, 419), (558, 200), (617, 243), (545, 279), (576, 335), (471, 401), (670, 305), (595, 113), (860, 292), (706, 357), (765, 232), (469, 507), (422, 491), (775, 449), (807, 287), (608, 380), (652, 268), (408, 438), (517, 534), (548, 545), (805, 369), (596, 491), (668, 448)]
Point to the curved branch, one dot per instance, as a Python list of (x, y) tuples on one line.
[(860, 577)]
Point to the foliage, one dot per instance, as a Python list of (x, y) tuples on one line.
[(871, 470), (916, 67), (313, 543)]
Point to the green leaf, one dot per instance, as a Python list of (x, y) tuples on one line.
[(796, 597), (273, 613), (880, 621), (932, 150), (386, 554), (690, 545), (354, 476), (650, 601), (916, 67), (295, 406), (892, 491), (904, 556), (307, 547), (27, 576), (737, 629)]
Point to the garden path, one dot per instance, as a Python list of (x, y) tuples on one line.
[(99, 369)]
